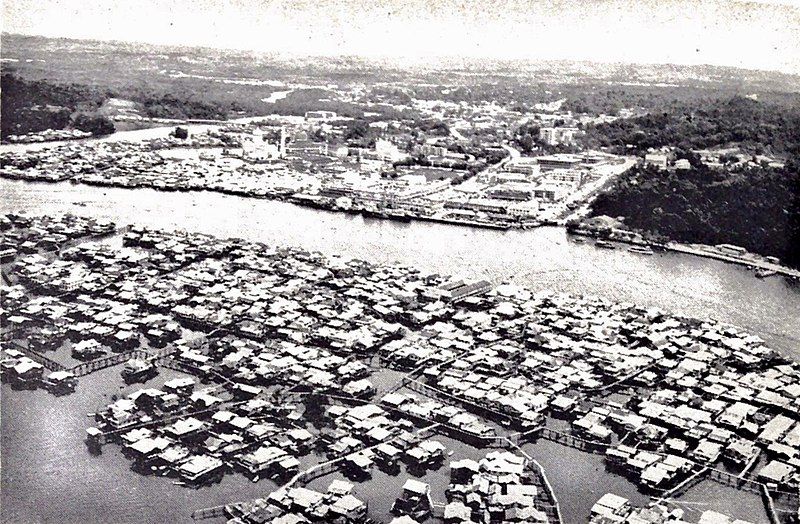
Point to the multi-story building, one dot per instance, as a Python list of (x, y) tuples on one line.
[(559, 161), (557, 135), (521, 191), (573, 177), (320, 115), (550, 192)]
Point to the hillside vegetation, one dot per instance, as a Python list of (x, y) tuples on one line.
[(758, 127), (757, 208), (35, 105)]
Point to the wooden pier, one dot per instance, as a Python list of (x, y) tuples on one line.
[(684, 486), (47, 362), (566, 439), (209, 513), (97, 364)]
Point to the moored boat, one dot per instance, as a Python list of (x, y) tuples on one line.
[(642, 250)]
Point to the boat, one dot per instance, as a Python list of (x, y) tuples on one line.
[(642, 250), (605, 244), (373, 213), (764, 273), (400, 215)]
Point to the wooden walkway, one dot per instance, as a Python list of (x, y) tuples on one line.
[(47, 362), (684, 486), (86, 368)]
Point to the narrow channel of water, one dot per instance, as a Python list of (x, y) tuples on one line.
[(49, 474)]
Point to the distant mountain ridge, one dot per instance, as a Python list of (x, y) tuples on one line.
[(27, 52)]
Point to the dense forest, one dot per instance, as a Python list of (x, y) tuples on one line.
[(760, 128), (35, 105), (757, 208)]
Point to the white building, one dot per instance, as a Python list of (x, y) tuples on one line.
[(557, 135), (656, 159)]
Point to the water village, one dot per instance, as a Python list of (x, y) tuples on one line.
[(321, 373)]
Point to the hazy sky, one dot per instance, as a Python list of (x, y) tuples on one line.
[(759, 34)]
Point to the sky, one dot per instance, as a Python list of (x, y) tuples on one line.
[(762, 34)]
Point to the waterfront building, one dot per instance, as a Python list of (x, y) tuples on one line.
[(512, 191), (551, 192)]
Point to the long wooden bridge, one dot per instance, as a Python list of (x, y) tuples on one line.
[(85, 368)]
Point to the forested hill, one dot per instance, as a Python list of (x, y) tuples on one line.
[(36, 105), (757, 208), (758, 127)]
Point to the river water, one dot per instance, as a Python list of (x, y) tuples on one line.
[(543, 258), (48, 474)]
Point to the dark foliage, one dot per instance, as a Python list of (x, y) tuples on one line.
[(36, 105), (758, 127), (527, 137), (93, 123), (756, 208), (171, 106)]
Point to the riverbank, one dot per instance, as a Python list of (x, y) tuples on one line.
[(749, 260), (541, 258)]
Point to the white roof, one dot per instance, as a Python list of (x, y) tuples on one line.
[(415, 486), (610, 500)]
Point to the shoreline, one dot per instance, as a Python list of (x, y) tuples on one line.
[(687, 249), (699, 250)]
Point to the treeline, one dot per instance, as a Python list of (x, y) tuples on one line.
[(760, 128), (757, 208), (167, 105), (30, 106), (35, 105)]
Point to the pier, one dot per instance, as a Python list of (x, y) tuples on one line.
[(47, 362), (86, 368), (692, 480)]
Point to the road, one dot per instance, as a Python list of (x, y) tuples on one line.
[(512, 153), (586, 194)]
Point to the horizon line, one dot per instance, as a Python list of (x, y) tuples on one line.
[(389, 57)]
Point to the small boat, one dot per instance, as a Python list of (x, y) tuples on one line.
[(764, 273), (642, 250), (605, 244)]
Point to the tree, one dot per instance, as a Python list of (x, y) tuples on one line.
[(95, 124)]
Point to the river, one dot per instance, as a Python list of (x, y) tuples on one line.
[(48, 474), (543, 258)]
